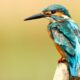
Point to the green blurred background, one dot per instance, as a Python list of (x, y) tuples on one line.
[(26, 50)]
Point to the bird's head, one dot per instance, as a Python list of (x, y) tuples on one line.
[(50, 11)]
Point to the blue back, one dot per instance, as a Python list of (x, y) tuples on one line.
[(68, 37)]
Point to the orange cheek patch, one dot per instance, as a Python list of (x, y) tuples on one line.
[(59, 13)]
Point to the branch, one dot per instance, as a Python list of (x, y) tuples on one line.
[(62, 73)]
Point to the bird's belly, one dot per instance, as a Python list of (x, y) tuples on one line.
[(58, 47)]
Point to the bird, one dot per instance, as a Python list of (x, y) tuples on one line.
[(65, 33)]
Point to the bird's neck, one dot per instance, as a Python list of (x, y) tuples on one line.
[(53, 20), (64, 16)]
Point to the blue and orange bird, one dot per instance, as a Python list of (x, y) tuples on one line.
[(65, 33)]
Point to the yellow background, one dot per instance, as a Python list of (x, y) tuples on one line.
[(26, 50)]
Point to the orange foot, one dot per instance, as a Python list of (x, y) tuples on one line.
[(61, 60)]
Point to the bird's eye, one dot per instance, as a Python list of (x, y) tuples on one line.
[(53, 12), (49, 13)]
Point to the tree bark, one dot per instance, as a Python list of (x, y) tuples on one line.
[(62, 73)]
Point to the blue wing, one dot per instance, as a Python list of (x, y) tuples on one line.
[(67, 35), (68, 27), (61, 40)]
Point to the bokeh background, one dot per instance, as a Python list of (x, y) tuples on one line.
[(26, 50)]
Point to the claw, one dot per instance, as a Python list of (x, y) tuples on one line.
[(61, 60)]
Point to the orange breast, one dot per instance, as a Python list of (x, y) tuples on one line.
[(62, 53)]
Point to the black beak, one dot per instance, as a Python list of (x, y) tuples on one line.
[(37, 16)]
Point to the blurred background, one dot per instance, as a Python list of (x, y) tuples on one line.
[(26, 50)]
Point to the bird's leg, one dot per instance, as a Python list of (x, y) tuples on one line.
[(62, 53), (62, 59)]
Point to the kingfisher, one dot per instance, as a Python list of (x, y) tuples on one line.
[(65, 33)]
